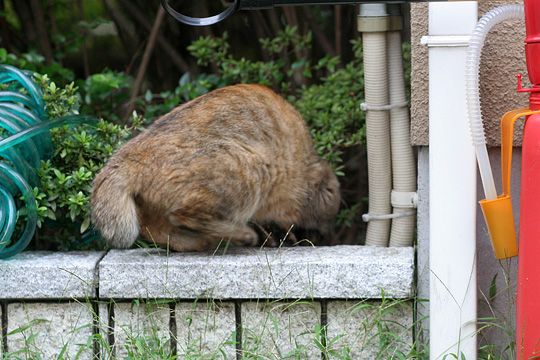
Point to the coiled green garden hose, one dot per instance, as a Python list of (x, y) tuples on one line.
[(22, 117)]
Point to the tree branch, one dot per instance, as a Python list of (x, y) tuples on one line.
[(80, 8), (174, 55), (338, 26), (22, 8), (125, 28), (146, 59), (319, 33), (42, 33)]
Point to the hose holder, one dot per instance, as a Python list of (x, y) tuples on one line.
[(399, 200), (374, 217)]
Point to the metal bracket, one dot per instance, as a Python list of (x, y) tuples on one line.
[(446, 40)]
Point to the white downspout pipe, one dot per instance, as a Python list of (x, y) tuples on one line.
[(373, 24), (452, 189)]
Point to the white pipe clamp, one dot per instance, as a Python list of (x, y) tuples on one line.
[(404, 200)]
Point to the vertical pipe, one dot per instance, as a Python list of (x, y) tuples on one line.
[(528, 304), (452, 188), (532, 48), (403, 162), (377, 125)]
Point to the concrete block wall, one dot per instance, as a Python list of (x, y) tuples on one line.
[(277, 303)]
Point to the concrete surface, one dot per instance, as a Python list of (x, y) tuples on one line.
[(326, 272), (53, 321), (281, 330), (205, 330), (371, 329), (45, 329), (49, 275), (146, 321), (422, 236)]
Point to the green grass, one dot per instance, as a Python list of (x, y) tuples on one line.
[(270, 330)]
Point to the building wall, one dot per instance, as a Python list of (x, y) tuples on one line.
[(502, 59)]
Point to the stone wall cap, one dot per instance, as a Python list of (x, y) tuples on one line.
[(49, 275), (336, 272)]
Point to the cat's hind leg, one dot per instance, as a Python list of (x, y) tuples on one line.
[(213, 228)]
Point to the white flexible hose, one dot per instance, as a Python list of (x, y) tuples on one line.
[(378, 136), (472, 70), (403, 162)]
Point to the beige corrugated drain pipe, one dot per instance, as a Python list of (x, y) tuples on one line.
[(403, 197), (373, 23)]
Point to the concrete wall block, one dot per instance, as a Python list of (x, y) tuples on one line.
[(50, 275), (370, 329), (141, 328), (342, 272), (281, 330), (44, 330), (422, 265), (206, 330)]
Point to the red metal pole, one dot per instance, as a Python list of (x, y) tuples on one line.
[(528, 291), (532, 49), (528, 301)]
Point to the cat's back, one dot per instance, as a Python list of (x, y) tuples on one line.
[(237, 129), (247, 113)]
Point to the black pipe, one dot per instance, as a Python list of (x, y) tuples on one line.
[(263, 4)]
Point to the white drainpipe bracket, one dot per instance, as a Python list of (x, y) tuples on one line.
[(445, 40), (367, 107), (404, 200)]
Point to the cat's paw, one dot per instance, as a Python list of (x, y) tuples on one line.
[(246, 237)]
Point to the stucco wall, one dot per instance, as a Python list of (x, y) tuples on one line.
[(502, 59)]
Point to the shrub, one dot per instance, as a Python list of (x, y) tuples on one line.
[(66, 177)]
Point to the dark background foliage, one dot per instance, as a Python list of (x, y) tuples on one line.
[(92, 35)]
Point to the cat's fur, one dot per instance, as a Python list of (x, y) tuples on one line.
[(200, 173)]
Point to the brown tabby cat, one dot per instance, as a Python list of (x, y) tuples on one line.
[(200, 173)]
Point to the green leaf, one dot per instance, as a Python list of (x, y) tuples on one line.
[(493, 288), (50, 214), (85, 225)]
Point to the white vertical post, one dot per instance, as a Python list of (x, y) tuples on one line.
[(452, 190)]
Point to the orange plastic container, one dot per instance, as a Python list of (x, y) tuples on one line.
[(498, 213)]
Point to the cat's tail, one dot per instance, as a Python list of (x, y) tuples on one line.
[(114, 212)]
